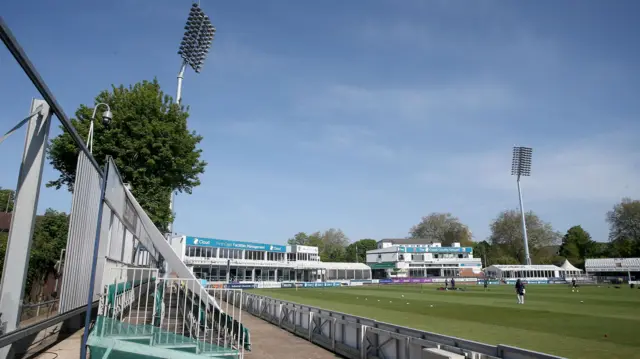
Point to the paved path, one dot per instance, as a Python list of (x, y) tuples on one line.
[(66, 349), (271, 342), (267, 342)]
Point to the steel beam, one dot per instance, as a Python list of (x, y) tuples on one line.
[(16, 260), (18, 53)]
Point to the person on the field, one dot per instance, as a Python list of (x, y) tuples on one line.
[(574, 286), (446, 284), (486, 283), (453, 283), (520, 290)]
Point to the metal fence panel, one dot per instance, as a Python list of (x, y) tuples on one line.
[(357, 337), (82, 231)]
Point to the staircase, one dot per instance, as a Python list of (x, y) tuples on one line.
[(164, 318)]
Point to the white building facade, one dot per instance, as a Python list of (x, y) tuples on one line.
[(411, 258), (220, 260)]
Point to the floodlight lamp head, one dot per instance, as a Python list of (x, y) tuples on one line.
[(521, 162)]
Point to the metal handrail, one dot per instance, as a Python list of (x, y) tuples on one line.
[(18, 334)]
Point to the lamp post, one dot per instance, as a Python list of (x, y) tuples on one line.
[(195, 45), (521, 167), (106, 117)]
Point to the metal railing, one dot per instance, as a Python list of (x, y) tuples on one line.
[(357, 337), (173, 313), (35, 312)]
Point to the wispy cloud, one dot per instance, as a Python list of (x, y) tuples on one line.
[(598, 169), (351, 141), (424, 104), (231, 53)]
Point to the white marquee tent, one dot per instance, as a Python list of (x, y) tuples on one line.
[(503, 271), (569, 270)]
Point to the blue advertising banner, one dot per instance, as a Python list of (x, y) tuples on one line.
[(223, 243), (240, 285), (320, 284), (526, 281), (491, 282), (288, 285), (405, 249), (385, 281)]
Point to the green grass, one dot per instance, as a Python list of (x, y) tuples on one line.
[(597, 322)]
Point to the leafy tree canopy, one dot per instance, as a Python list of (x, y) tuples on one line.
[(357, 251), (506, 233), (6, 200), (149, 141), (577, 245), (49, 238), (331, 243), (443, 228), (624, 228)]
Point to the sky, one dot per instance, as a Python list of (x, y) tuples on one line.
[(363, 116)]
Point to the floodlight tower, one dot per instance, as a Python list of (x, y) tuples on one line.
[(195, 45), (521, 167)]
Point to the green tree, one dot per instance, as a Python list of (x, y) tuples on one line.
[(483, 251), (506, 234), (357, 251), (149, 141), (443, 228), (577, 245), (624, 228), (6, 200), (4, 237), (331, 243), (300, 238), (547, 255), (49, 238)]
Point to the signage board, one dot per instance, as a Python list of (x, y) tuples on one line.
[(268, 285), (223, 243), (410, 280), (240, 285), (529, 281), (382, 265), (305, 249), (491, 282), (405, 249)]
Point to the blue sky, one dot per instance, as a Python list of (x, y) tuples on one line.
[(362, 116)]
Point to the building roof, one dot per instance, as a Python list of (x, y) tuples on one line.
[(5, 221), (401, 241), (612, 264), (330, 265), (520, 267), (339, 265), (569, 267)]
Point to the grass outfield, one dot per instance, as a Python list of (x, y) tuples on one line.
[(597, 322)]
